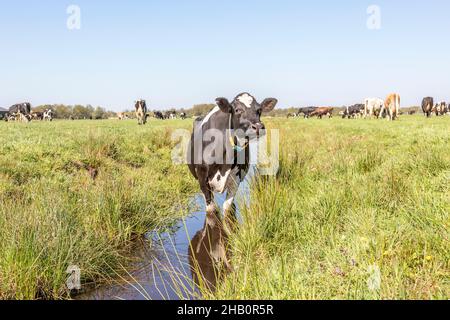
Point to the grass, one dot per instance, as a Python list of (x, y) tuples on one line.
[(356, 203), (54, 214)]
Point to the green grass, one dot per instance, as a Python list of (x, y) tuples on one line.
[(351, 196), (54, 215)]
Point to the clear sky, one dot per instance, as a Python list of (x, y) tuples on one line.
[(180, 53)]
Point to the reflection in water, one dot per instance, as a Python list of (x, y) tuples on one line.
[(171, 265), (208, 255)]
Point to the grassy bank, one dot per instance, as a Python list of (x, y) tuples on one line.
[(359, 210), (76, 193)]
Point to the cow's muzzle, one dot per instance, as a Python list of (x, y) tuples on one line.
[(257, 128)]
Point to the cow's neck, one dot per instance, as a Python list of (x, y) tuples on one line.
[(233, 140)]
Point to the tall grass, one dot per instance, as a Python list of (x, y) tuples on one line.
[(54, 213), (351, 198)]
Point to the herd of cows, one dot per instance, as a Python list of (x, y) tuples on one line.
[(22, 112), (372, 107), (376, 107)]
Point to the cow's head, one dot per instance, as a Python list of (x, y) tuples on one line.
[(246, 113)]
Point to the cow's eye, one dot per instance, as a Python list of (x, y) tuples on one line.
[(239, 111)]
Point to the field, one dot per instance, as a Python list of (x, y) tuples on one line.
[(54, 215), (358, 210)]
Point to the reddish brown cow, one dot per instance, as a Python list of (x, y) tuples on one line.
[(323, 111)]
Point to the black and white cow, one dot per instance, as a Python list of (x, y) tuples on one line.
[(218, 151), (354, 111), (48, 115), (183, 116), (141, 111)]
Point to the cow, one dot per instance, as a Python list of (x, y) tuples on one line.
[(392, 106), (3, 114), (373, 107), (427, 106), (141, 112), (306, 111), (322, 111), (222, 163), (121, 116), (48, 115), (183, 116), (37, 115), (412, 112), (353, 111), (170, 115), (441, 108), (158, 115)]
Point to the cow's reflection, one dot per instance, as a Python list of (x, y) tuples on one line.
[(209, 256)]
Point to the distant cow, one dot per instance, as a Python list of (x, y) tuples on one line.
[(158, 115), (354, 111), (141, 111), (392, 106), (441, 108), (183, 116), (306, 111), (48, 115), (222, 163), (427, 106), (37, 115), (412, 112), (322, 112), (373, 107), (121, 116)]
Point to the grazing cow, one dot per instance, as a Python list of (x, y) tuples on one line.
[(373, 107), (141, 112), (37, 115), (427, 106), (354, 111), (412, 112), (121, 116), (220, 164), (48, 115), (158, 115), (183, 116), (306, 111), (322, 111), (392, 106)]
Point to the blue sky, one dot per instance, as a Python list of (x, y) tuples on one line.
[(179, 53)]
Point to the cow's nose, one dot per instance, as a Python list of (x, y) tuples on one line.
[(258, 127)]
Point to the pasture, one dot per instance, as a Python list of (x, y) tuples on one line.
[(359, 208), (54, 215)]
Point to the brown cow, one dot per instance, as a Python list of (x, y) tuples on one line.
[(323, 111), (392, 106)]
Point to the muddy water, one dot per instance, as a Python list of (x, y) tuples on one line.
[(162, 270)]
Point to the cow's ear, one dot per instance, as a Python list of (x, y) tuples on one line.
[(224, 105), (268, 104)]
